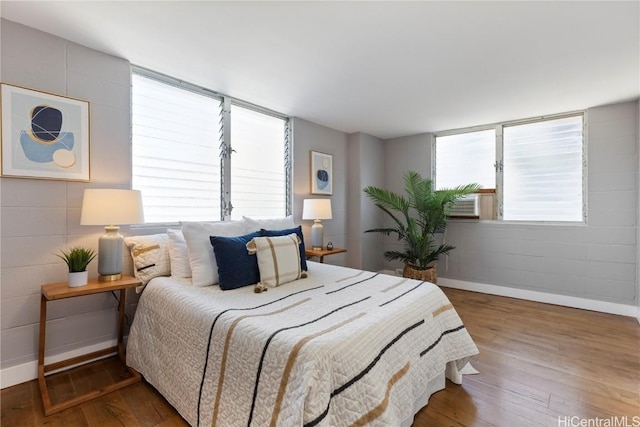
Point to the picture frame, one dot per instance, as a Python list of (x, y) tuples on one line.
[(321, 173), (43, 135)]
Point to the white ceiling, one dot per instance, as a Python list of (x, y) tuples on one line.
[(384, 68)]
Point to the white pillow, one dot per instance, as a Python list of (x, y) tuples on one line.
[(278, 259), (178, 254), (204, 269), (150, 256), (268, 223)]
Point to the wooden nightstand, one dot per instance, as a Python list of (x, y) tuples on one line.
[(321, 253), (60, 290)]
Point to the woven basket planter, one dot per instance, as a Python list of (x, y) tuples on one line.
[(428, 275)]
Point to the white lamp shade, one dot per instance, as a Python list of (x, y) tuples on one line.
[(111, 207), (316, 209)]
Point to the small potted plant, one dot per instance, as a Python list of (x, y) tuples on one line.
[(77, 259)]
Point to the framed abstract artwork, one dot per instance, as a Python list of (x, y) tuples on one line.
[(321, 173), (43, 135)]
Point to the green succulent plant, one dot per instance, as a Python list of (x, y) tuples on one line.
[(77, 258)]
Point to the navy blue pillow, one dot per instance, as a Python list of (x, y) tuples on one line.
[(286, 232), (236, 267)]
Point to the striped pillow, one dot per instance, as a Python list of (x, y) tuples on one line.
[(278, 259), (150, 255)]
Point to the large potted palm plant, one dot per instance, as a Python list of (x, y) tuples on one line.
[(416, 219)]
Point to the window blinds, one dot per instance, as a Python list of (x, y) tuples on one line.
[(466, 158), (543, 170), (175, 160), (258, 180)]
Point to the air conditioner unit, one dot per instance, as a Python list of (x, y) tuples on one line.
[(466, 206)]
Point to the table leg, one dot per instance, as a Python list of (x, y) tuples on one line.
[(42, 368), (42, 382), (121, 307)]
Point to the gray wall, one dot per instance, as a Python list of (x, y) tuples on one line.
[(402, 154), (366, 167), (310, 136), (40, 217), (595, 261)]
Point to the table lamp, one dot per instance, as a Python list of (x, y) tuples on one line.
[(111, 207), (316, 209)]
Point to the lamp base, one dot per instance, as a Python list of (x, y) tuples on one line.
[(110, 277), (317, 237), (110, 254)]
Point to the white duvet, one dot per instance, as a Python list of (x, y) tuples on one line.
[(342, 347)]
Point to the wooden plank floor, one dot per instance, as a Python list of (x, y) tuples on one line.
[(537, 362)]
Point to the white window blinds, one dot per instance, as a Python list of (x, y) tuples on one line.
[(175, 154), (543, 170), (466, 158), (181, 162), (258, 181), (536, 166)]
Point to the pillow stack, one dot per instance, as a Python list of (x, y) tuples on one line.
[(213, 253)]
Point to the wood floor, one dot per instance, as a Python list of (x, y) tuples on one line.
[(540, 365)]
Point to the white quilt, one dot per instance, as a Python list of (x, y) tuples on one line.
[(342, 347)]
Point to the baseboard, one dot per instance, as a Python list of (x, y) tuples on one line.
[(549, 298), (564, 300), (29, 371)]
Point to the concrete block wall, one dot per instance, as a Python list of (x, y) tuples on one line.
[(595, 261), (40, 217)]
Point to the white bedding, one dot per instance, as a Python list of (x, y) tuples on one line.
[(341, 347)]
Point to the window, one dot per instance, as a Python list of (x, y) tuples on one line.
[(258, 181), (543, 170), (195, 160), (175, 160), (465, 158), (535, 166)]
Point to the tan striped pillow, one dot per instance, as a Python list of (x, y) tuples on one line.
[(278, 259), (150, 255)]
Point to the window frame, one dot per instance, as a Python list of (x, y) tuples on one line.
[(499, 161), (225, 148)]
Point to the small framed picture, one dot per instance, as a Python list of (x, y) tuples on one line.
[(43, 135), (321, 173)]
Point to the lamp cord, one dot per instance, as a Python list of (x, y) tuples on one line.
[(126, 318)]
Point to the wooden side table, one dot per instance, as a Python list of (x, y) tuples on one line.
[(321, 253), (60, 290)]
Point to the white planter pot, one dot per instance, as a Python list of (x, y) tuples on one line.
[(77, 279)]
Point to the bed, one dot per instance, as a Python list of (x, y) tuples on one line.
[(340, 347)]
